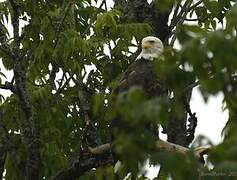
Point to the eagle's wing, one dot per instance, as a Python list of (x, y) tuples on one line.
[(141, 74), (126, 79)]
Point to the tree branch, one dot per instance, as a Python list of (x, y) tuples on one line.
[(160, 145), (196, 4), (179, 19), (8, 86), (175, 15), (60, 82), (102, 155), (27, 125), (93, 16), (62, 19), (192, 122), (7, 143), (65, 10), (3, 40), (83, 165), (15, 23), (63, 85)]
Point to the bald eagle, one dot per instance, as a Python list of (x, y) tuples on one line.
[(141, 73)]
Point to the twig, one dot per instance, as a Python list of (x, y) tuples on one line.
[(110, 48), (60, 83), (197, 19), (8, 86), (3, 40), (13, 79), (192, 122), (62, 19), (52, 76), (93, 16), (191, 86), (175, 15), (61, 87), (196, 4), (65, 10), (180, 19), (15, 23)]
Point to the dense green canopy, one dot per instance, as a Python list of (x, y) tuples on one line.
[(66, 57)]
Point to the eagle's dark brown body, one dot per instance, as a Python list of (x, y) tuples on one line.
[(141, 74)]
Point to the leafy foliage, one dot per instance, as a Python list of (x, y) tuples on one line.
[(75, 52)]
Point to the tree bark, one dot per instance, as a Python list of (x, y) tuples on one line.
[(28, 132), (141, 12), (2, 161)]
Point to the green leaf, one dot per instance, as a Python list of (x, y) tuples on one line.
[(212, 6), (231, 18), (201, 12), (106, 23), (213, 23)]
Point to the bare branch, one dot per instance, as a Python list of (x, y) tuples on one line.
[(192, 19), (196, 4), (60, 83), (181, 17), (101, 149), (176, 21), (160, 145), (192, 122), (102, 155), (177, 17), (52, 76), (191, 86), (8, 86), (62, 86)]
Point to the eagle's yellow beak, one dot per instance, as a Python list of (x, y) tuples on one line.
[(146, 45)]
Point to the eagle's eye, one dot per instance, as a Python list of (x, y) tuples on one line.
[(151, 41)]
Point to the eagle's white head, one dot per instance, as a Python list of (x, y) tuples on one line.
[(152, 47)]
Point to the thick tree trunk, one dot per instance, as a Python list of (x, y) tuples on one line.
[(141, 12), (28, 131), (27, 124)]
